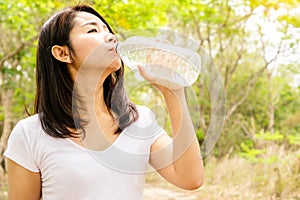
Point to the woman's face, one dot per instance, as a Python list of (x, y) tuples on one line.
[(93, 44)]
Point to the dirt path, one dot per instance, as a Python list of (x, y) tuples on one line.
[(156, 188), (153, 193)]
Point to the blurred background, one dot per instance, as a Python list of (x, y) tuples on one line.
[(254, 45)]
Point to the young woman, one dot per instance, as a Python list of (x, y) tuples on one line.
[(86, 140)]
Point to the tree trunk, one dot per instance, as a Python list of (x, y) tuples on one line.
[(271, 106), (7, 96), (202, 107)]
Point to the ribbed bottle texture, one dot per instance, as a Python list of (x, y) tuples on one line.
[(166, 61)]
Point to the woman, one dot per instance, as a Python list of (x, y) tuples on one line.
[(86, 139)]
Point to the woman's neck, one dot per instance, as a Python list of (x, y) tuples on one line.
[(101, 125), (89, 88)]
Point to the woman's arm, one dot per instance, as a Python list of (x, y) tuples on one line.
[(177, 159), (22, 183)]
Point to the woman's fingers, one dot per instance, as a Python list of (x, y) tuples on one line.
[(159, 83), (143, 73)]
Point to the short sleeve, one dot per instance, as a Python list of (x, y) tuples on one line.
[(146, 127), (19, 149), (159, 130), (153, 127)]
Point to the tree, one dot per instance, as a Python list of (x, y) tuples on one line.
[(20, 23), (225, 30)]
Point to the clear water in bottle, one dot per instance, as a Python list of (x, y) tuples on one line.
[(166, 61)]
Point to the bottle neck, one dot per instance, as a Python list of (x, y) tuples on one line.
[(117, 48)]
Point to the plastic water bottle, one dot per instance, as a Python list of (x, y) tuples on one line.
[(162, 60)]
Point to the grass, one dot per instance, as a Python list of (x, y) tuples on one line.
[(3, 186), (232, 177), (236, 178)]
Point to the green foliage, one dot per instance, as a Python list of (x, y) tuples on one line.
[(293, 20), (20, 25), (1, 115), (271, 4), (200, 135), (248, 151), (294, 139), (256, 155), (252, 151), (288, 6), (218, 26), (129, 15), (267, 136)]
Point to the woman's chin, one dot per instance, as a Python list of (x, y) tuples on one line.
[(115, 65)]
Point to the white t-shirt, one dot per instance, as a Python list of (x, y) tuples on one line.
[(72, 172)]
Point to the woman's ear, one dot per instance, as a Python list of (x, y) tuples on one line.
[(61, 53)]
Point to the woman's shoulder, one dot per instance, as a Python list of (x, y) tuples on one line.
[(24, 141), (30, 122), (27, 127), (142, 109), (31, 118), (146, 116), (146, 126)]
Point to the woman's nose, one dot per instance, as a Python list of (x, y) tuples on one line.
[(111, 39)]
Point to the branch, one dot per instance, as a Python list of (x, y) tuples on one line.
[(227, 16), (241, 101), (251, 83), (244, 128), (11, 54), (16, 51), (241, 19), (252, 80), (233, 69), (208, 39), (197, 26)]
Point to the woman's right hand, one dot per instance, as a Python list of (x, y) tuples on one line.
[(161, 84)]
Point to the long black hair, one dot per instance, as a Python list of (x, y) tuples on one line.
[(53, 101)]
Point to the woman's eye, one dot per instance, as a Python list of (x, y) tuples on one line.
[(92, 30), (105, 28)]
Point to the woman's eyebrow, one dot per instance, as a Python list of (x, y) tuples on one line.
[(89, 23), (94, 24)]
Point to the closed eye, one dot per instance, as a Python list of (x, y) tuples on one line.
[(92, 30), (105, 28)]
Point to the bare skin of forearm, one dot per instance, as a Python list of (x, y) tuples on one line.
[(187, 163), (177, 159)]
